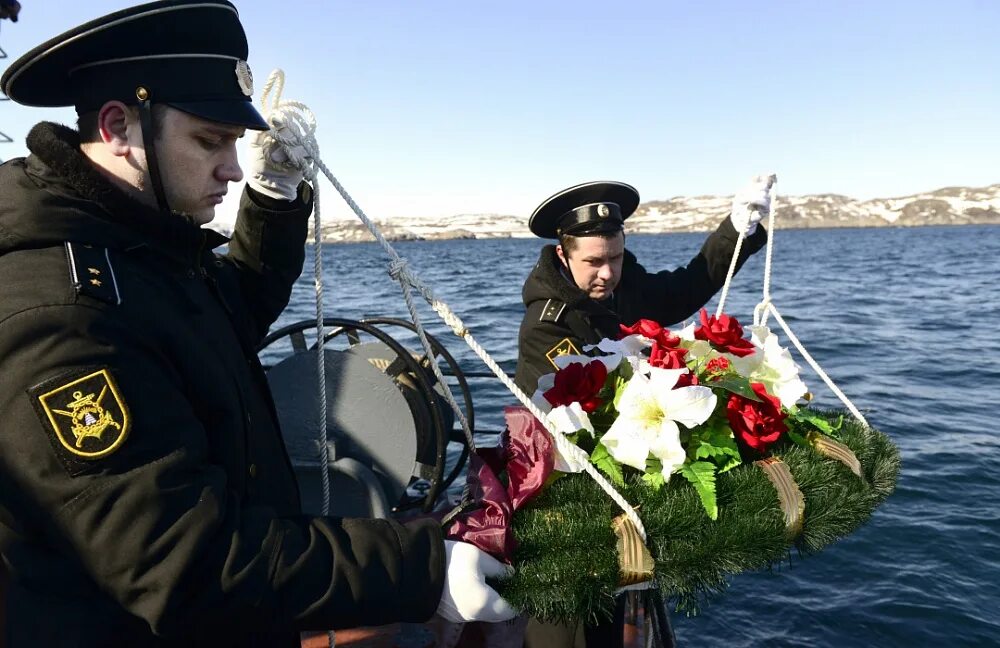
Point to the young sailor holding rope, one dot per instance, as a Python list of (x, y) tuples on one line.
[(583, 288), (145, 494)]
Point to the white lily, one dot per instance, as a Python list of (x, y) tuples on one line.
[(772, 365), (697, 349), (649, 411), (545, 383), (567, 419), (628, 348)]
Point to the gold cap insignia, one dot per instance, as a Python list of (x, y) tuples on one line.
[(603, 211), (88, 415), (244, 77), (564, 347)]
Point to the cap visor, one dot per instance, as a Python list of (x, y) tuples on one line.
[(237, 113)]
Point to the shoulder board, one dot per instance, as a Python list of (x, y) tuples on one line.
[(91, 273), (552, 311)]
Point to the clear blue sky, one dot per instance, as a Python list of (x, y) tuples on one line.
[(431, 108)]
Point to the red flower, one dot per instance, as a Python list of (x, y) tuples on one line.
[(757, 423), (717, 366), (578, 383), (653, 331), (644, 327), (686, 380), (725, 334), (667, 356)]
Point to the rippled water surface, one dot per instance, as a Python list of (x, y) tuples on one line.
[(904, 320)]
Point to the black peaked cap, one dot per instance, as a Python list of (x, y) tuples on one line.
[(189, 54), (587, 209)]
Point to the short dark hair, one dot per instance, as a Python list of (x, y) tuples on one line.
[(86, 123), (569, 242)]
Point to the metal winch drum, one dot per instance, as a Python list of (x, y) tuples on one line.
[(388, 423)]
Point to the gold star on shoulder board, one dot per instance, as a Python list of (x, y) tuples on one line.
[(563, 347)]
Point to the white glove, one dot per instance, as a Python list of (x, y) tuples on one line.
[(466, 595), (272, 171), (752, 203)]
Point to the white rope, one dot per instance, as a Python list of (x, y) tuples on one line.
[(760, 311), (731, 272), (766, 306), (399, 268), (302, 135), (815, 365), (298, 119)]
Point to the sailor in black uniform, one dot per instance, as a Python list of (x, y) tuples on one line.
[(146, 498), (588, 284)]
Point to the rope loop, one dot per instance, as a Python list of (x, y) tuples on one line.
[(293, 127), (760, 312)]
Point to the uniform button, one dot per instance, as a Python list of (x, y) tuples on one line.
[(253, 471), (218, 263), (190, 274)]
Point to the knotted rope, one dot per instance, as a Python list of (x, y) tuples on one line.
[(300, 133), (766, 306)]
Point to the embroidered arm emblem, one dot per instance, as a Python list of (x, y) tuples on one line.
[(87, 414), (563, 347)]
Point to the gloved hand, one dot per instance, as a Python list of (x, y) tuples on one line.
[(752, 203), (272, 171), (466, 595)]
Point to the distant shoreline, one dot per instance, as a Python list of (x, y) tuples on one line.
[(827, 226)]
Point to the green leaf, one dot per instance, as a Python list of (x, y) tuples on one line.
[(620, 382), (721, 450), (798, 439), (702, 475), (819, 421), (735, 384), (654, 480), (607, 464)]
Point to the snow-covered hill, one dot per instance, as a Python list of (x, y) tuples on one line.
[(948, 206)]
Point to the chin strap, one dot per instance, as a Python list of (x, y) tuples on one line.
[(146, 121)]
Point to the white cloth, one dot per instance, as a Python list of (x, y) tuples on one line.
[(272, 172), (466, 596), (752, 203)]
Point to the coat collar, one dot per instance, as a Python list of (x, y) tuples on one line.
[(548, 281), (170, 233)]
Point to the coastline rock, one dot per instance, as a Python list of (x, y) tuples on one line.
[(946, 206)]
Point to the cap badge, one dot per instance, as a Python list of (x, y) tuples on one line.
[(244, 77), (603, 211)]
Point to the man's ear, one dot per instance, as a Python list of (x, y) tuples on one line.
[(562, 257), (112, 126)]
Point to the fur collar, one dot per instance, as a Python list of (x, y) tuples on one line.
[(58, 147)]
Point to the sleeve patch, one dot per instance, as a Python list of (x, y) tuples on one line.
[(84, 414), (563, 347)]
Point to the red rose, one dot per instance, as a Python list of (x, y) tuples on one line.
[(757, 423), (724, 333), (652, 330), (666, 356), (686, 380), (644, 327), (578, 383)]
